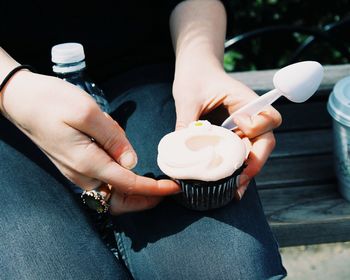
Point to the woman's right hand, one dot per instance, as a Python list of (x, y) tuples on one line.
[(62, 120)]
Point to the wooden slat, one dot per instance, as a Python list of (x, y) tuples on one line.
[(261, 81), (307, 215), (302, 143), (304, 116), (297, 184), (296, 171), (293, 114)]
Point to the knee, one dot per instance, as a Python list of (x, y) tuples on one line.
[(212, 260)]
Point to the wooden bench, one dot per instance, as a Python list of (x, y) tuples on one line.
[(297, 185)]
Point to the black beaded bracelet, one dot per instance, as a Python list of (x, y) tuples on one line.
[(14, 71)]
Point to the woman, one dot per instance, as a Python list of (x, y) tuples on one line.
[(46, 233)]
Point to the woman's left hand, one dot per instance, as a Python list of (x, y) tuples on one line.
[(197, 91)]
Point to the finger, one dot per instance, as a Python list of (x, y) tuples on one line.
[(90, 160), (120, 204), (253, 126), (126, 182), (107, 133), (260, 151), (185, 114), (84, 182)]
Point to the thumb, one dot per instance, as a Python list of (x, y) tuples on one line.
[(111, 137), (185, 114), (117, 145)]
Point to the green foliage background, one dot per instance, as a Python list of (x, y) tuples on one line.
[(275, 50)]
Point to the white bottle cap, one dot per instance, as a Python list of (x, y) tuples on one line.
[(69, 57), (67, 53)]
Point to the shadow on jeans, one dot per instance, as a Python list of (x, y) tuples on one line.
[(170, 218)]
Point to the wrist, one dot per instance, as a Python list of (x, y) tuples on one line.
[(7, 63), (199, 56), (9, 95), (196, 71), (12, 73)]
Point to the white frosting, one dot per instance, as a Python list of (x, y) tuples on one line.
[(202, 151)]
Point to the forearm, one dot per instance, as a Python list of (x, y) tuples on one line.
[(7, 63), (198, 29)]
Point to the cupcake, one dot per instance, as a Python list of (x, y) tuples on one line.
[(206, 160)]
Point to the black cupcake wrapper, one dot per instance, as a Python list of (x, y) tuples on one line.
[(201, 196)]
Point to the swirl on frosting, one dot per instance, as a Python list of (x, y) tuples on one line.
[(201, 151)]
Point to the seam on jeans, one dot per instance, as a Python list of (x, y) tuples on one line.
[(237, 254), (282, 268), (123, 251)]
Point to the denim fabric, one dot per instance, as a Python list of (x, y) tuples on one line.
[(171, 242), (45, 233)]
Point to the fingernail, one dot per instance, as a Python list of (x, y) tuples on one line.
[(108, 116), (239, 118), (179, 189), (240, 192), (242, 119), (242, 181), (128, 160), (236, 119), (237, 195)]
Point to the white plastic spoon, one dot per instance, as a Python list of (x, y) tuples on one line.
[(297, 82)]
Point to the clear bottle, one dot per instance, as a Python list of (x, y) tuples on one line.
[(69, 65)]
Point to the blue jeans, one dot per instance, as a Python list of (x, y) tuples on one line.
[(47, 234)]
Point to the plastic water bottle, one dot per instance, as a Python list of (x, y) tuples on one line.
[(69, 65)]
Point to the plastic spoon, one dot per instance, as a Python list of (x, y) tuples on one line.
[(297, 82)]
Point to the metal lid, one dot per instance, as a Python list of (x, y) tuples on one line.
[(339, 101)]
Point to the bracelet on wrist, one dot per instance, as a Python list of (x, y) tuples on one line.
[(13, 72)]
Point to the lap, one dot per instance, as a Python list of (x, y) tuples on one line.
[(44, 231), (171, 242)]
